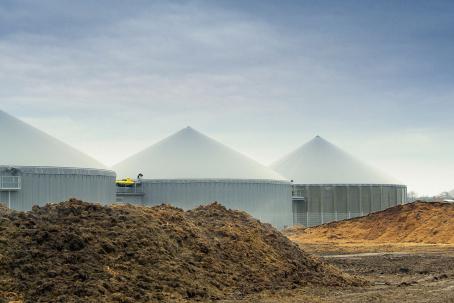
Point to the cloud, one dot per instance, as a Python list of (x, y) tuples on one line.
[(139, 71)]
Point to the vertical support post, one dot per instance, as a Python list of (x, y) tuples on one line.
[(404, 199), (308, 200), (361, 201), (381, 197), (348, 204), (9, 199), (295, 220), (397, 196), (371, 199), (321, 204)]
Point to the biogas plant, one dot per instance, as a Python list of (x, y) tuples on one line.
[(316, 184)]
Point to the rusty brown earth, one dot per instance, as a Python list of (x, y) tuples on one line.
[(81, 252), (405, 252), (217, 245)]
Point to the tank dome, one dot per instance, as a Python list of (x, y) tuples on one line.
[(24, 145), (320, 162), (189, 154)]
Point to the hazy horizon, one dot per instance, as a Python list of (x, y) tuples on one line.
[(111, 77)]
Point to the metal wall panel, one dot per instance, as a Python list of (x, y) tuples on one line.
[(314, 205), (268, 201), (341, 202), (41, 185), (354, 203), (388, 201), (376, 198), (366, 199), (328, 204), (299, 208), (345, 200), (132, 199)]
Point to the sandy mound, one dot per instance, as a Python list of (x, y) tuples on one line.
[(418, 222), (294, 230), (72, 250)]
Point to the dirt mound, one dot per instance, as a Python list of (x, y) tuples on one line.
[(75, 251), (294, 230), (418, 222), (3, 209)]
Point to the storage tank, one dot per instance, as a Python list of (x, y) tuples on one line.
[(188, 169), (330, 184), (36, 168)]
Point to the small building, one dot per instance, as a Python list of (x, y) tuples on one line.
[(330, 184), (188, 169), (36, 168)]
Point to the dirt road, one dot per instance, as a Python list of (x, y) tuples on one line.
[(399, 277), (402, 276)]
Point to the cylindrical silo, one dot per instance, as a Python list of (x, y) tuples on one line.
[(330, 184), (188, 169), (36, 168)]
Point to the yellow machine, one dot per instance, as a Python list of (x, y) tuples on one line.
[(127, 182)]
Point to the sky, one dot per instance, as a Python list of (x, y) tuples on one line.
[(112, 77)]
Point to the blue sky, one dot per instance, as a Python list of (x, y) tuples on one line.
[(112, 77)]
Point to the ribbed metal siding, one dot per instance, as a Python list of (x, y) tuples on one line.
[(341, 202), (314, 205), (299, 208), (326, 203), (41, 185), (268, 201)]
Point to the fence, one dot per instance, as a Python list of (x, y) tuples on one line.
[(10, 183)]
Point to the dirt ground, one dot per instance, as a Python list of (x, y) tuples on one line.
[(405, 252), (80, 252), (400, 273), (418, 222)]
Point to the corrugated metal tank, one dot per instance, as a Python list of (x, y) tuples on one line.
[(331, 185), (40, 185), (36, 168), (319, 204), (188, 169), (268, 201)]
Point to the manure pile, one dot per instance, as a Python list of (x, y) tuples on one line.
[(418, 222), (81, 252), (3, 209)]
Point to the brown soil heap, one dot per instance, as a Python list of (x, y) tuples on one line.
[(80, 252), (3, 209), (294, 230), (418, 222)]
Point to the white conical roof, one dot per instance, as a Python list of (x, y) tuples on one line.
[(24, 145), (188, 154), (320, 162)]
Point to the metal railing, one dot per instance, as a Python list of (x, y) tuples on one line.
[(9, 183), (130, 190)]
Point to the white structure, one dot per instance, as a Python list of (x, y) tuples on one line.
[(188, 169), (330, 184), (36, 168)]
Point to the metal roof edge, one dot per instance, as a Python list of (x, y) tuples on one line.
[(62, 170), (220, 180)]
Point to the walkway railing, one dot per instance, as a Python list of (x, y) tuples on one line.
[(10, 183), (130, 190)]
